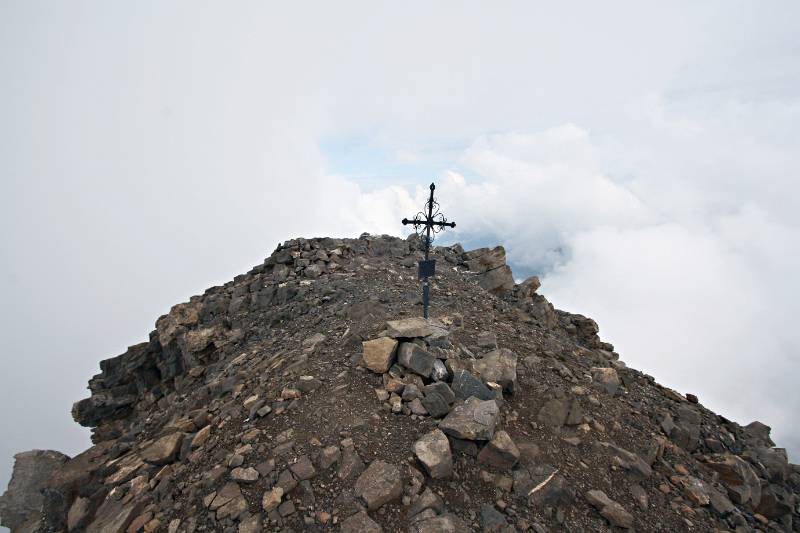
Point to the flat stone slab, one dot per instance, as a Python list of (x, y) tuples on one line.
[(164, 450), (472, 420), (416, 327)]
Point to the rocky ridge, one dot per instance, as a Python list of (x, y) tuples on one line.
[(306, 395)]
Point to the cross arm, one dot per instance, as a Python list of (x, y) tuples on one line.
[(447, 224), (417, 221)]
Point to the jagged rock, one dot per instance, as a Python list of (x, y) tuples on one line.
[(627, 460), (250, 525), (260, 374), (738, 477), (498, 366), (79, 514), (415, 359), (244, 475), (775, 502), (500, 452), (201, 437), (23, 499), (466, 385), (329, 456), (350, 464), (379, 484), (427, 500), (695, 489), (639, 496), (758, 434), (528, 288), (485, 259), (607, 379), (229, 502), (410, 392), (446, 523), (609, 509), (554, 412), (272, 499), (497, 281), (487, 340), (360, 523), (473, 419), (164, 450), (417, 408), (302, 469), (442, 389), (492, 520), (435, 405), (114, 516), (719, 502), (493, 273), (379, 354), (433, 451), (775, 461), (439, 372)]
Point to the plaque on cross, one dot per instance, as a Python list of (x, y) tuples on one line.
[(427, 224)]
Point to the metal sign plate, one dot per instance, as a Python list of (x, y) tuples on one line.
[(427, 268)]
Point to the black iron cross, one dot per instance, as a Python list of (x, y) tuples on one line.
[(433, 222)]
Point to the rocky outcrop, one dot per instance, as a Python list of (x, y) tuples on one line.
[(21, 505), (308, 395)]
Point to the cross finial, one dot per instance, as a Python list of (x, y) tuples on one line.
[(433, 222)]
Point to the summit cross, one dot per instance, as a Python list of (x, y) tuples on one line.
[(430, 222)]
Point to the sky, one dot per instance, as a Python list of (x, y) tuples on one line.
[(642, 158)]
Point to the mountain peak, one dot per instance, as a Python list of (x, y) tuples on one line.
[(309, 395)]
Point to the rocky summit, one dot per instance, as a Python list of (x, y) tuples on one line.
[(309, 395)]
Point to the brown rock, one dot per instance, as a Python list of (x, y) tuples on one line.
[(23, 499), (351, 464), (379, 484), (500, 452), (498, 366), (472, 420), (244, 475), (328, 456), (609, 509), (409, 328), (272, 499), (738, 477), (433, 451), (360, 523), (379, 354), (201, 437), (164, 450), (606, 378), (303, 469)]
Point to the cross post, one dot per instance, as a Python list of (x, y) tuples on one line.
[(432, 221)]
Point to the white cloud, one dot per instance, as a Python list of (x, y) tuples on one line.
[(694, 284)]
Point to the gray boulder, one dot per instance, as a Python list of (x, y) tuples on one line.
[(22, 502), (473, 419)]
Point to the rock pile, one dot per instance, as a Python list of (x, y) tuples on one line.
[(306, 396)]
